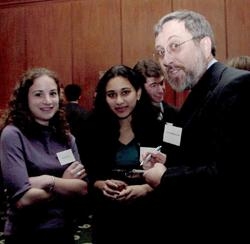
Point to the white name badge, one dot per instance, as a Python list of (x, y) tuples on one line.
[(66, 157), (172, 134)]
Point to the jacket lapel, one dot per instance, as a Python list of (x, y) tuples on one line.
[(201, 94)]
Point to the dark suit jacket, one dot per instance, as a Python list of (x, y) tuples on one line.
[(75, 115), (206, 184), (151, 129)]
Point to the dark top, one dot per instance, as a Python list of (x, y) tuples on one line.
[(106, 158)]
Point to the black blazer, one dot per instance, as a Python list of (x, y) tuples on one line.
[(208, 174)]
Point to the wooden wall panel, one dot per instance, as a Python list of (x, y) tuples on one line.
[(49, 44), (138, 20), (96, 27), (16, 2), (80, 38), (12, 54), (238, 27)]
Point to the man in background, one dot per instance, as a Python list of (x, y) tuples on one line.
[(154, 91), (75, 113), (155, 87), (76, 116)]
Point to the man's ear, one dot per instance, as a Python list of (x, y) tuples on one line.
[(206, 45)]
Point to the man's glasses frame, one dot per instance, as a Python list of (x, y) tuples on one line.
[(171, 48)]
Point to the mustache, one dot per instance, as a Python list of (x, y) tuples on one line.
[(172, 67)]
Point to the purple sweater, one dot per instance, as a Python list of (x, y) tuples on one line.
[(22, 157)]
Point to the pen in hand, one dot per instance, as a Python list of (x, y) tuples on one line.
[(157, 149)]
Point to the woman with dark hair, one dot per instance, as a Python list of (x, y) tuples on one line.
[(40, 164), (113, 136)]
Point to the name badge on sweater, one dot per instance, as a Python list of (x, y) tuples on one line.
[(66, 157), (172, 134)]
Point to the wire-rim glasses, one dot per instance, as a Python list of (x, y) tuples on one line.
[(171, 48)]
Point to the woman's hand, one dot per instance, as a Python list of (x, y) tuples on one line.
[(133, 191), (75, 171), (111, 188)]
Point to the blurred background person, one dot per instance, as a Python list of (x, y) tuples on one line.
[(76, 116), (240, 62), (75, 113)]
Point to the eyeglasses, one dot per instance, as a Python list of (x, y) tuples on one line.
[(171, 48)]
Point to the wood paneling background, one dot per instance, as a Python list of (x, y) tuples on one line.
[(81, 38)]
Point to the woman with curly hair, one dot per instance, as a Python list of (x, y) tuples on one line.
[(40, 164)]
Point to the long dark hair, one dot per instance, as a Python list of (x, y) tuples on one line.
[(102, 111), (19, 114)]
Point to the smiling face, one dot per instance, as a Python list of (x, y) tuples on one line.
[(155, 87), (43, 99), (183, 58), (121, 96)]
